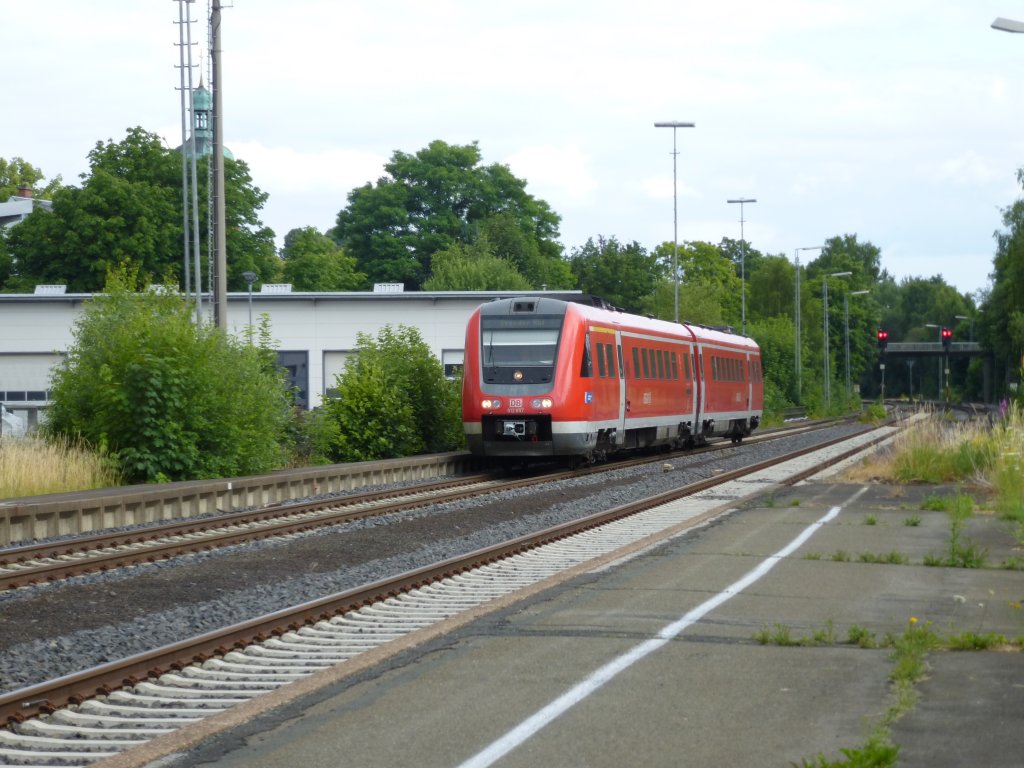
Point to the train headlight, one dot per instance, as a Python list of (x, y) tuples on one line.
[(541, 402), (517, 375), (489, 404)]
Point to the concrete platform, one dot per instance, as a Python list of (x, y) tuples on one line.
[(710, 694)]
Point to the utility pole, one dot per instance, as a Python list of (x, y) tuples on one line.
[(220, 261)]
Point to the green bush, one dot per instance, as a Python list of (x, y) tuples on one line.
[(311, 436), (164, 399), (393, 400)]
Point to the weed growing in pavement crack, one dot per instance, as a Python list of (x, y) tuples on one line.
[(962, 552), (909, 651)]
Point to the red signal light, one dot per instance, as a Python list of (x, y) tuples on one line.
[(883, 338)]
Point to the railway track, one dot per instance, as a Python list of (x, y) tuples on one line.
[(102, 712), (40, 563)]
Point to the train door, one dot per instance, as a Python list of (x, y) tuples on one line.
[(749, 380), (620, 432), (604, 397), (699, 386)]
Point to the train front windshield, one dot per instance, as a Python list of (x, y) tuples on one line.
[(519, 349)]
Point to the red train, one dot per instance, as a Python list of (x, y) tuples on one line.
[(550, 378)]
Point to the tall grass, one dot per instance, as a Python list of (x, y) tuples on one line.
[(936, 451), (978, 453), (31, 466), (1006, 475)]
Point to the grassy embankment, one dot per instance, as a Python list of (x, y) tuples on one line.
[(984, 460)]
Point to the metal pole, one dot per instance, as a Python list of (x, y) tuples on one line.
[(798, 331), (186, 277), (828, 371), (673, 124), (828, 393), (196, 249), (846, 325), (743, 263), (220, 286)]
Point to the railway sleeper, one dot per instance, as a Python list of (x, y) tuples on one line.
[(42, 727), (176, 714), (50, 744)]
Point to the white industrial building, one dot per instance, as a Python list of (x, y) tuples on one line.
[(314, 332)]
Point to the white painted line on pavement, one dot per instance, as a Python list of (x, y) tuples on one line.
[(498, 749)]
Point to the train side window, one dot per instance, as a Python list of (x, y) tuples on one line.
[(647, 365), (609, 352), (636, 362), (600, 361), (586, 367), (661, 364), (622, 367), (686, 366), (675, 367), (714, 368)]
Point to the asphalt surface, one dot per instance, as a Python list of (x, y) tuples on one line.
[(523, 686)]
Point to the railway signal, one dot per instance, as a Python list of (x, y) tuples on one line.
[(947, 338), (883, 339)]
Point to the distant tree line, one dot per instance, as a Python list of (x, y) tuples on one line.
[(441, 219)]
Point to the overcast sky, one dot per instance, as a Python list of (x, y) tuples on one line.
[(899, 121)]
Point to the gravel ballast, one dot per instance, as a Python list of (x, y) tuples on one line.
[(57, 629)]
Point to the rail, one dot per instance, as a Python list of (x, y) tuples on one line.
[(74, 688)]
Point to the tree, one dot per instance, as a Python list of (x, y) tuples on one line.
[(16, 173), (313, 262), (709, 289), (430, 201), (473, 268), (624, 275), (537, 260), (770, 288), (167, 400), (6, 262), (393, 400), (129, 210), (1001, 326), (775, 338)]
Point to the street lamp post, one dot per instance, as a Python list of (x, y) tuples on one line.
[(797, 331), (250, 278), (846, 326), (673, 124), (828, 372), (743, 263), (939, 327)]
